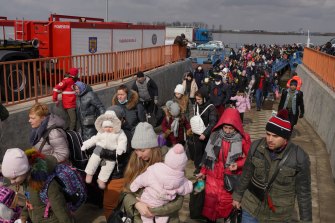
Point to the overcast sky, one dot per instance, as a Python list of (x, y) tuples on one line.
[(271, 15)]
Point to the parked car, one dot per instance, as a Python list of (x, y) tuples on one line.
[(192, 45), (211, 45)]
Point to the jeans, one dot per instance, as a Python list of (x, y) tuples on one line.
[(259, 98), (247, 218)]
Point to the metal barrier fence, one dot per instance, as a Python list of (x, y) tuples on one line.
[(27, 80), (323, 65)]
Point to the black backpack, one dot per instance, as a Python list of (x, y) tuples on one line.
[(78, 158)]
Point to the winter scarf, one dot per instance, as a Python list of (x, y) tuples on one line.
[(213, 147), (175, 126), (37, 133), (294, 101)]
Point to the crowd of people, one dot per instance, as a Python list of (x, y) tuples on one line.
[(203, 122)]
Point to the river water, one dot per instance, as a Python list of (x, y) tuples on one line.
[(236, 40)]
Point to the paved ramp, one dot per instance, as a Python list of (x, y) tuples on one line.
[(323, 187)]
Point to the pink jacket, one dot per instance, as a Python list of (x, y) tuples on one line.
[(242, 103), (162, 184)]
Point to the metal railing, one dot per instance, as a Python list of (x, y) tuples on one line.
[(322, 64), (28, 80)]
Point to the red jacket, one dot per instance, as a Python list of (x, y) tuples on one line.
[(218, 201), (68, 94), (166, 125)]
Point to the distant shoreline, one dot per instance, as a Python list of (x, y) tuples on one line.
[(272, 33)]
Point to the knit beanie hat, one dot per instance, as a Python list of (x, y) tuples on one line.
[(173, 108), (144, 137), (15, 163), (107, 123), (73, 72), (176, 158), (179, 89), (81, 85), (280, 125)]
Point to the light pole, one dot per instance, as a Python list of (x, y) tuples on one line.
[(106, 10)]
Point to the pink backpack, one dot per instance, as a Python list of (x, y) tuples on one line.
[(8, 197)]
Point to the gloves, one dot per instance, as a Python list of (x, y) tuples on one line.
[(189, 132), (301, 115)]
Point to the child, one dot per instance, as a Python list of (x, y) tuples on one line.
[(110, 136), (174, 123), (163, 181), (68, 95), (31, 170), (242, 103)]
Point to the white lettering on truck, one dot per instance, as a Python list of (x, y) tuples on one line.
[(62, 26)]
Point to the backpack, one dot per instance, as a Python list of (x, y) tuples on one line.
[(4, 114), (8, 201), (78, 158), (73, 187), (197, 124)]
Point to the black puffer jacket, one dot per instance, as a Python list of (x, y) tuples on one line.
[(134, 110), (209, 117), (88, 104)]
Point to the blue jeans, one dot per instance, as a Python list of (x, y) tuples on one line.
[(247, 218), (259, 98)]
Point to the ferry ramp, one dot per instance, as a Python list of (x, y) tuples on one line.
[(323, 187)]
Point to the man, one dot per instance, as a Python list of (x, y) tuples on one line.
[(291, 181), (259, 86), (292, 100), (181, 41), (147, 91), (68, 95)]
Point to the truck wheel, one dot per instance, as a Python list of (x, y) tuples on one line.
[(16, 82)]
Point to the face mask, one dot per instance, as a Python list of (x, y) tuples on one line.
[(122, 103), (217, 82)]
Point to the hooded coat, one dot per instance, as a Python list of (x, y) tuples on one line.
[(134, 110), (57, 144), (88, 104), (218, 201)]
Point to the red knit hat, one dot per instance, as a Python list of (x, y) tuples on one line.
[(73, 72), (280, 125)]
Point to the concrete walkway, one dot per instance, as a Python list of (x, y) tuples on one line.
[(323, 187)]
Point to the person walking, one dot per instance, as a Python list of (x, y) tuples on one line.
[(225, 153), (68, 95), (145, 154), (209, 117), (128, 100), (147, 90), (283, 169), (292, 100), (88, 108), (45, 124)]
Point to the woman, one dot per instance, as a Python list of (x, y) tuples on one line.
[(146, 153), (225, 153), (209, 117), (45, 124), (31, 170), (129, 101), (190, 87), (88, 107)]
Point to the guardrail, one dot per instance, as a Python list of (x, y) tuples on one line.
[(322, 64), (27, 80)]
